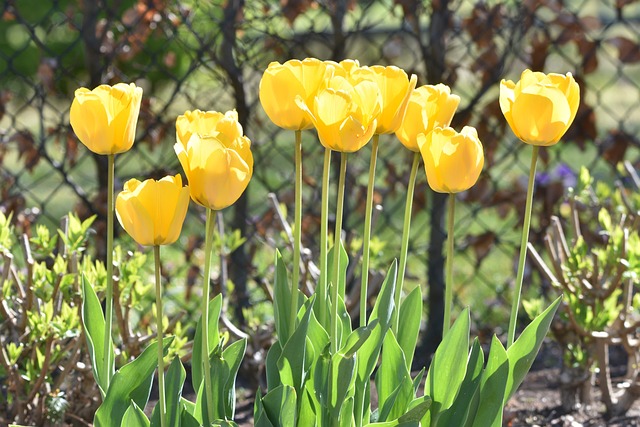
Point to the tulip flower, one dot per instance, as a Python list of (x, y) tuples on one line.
[(281, 84), (540, 107), (104, 119), (344, 113), (429, 107), (453, 161), (217, 160), (152, 212), (396, 89), (215, 156)]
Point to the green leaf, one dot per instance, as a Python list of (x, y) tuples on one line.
[(280, 406), (281, 299), (523, 351), (346, 413), (357, 338), (173, 382), (344, 263), (458, 413), (492, 387), (392, 378), (409, 326), (384, 306), (94, 326), (293, 364), (131, 382), (342, 380), (271, 366), (448, 368), (215, 305), (307, 415), (134, 417)]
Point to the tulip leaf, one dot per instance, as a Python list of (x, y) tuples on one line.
[(523, 351), (281, 299), (393, 381), (448, 368), (293, 364), (94, 327), (343, 264), (346, 413), (232, 357), (215, 305), (280, 406), (307, 416), (271, 366), (409, 324), (131, 382), (342, 380), (357, 338), (174, 381), (134, 417), (492, 387), (462, 407)]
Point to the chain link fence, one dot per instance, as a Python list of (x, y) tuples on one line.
[(210, 55)]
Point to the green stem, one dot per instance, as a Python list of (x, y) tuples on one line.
[(324, 215), (208, 246), (108, 316), (293, 313), (335, 286), (367, 232), (162, 402), (523, 248), (448, 284), (405, 238)]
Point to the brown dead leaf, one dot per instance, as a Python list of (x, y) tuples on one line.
[(628, 50), (27, 149), (291, 9), (614, 147), (483, 22)]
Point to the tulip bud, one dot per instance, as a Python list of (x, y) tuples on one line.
[(104, 119), (540, 107), (453, 161), (152, 212)]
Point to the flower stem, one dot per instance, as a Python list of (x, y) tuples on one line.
[(405, 238), (448, 284), (335, 289), (367, 232), (523, 248), (324, 215), (208, 246), (108, 363), (162, 402), (295, 282)]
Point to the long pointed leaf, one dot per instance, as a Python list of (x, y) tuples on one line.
[(94, 326)]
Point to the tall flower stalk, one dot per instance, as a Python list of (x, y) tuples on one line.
[(448, 287), (108, 317), (367, 231), (161, 399), (324, 226), (406, 228), (335, 286), (206, 366), (295, 282)]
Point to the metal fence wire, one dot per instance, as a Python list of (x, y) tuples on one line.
[(211, 54)]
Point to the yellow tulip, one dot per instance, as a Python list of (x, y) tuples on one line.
[(429, 107), (104, 119), (282, 83), (540, 107), (344, 111), (152, 212), (215, 156), (395, 89), (453, 161)]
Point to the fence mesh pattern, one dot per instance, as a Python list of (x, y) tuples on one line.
[(210, 55)]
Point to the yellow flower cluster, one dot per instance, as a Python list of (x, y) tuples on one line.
[(214, 153)]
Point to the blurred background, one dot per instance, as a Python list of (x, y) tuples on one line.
[(210, 55)]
